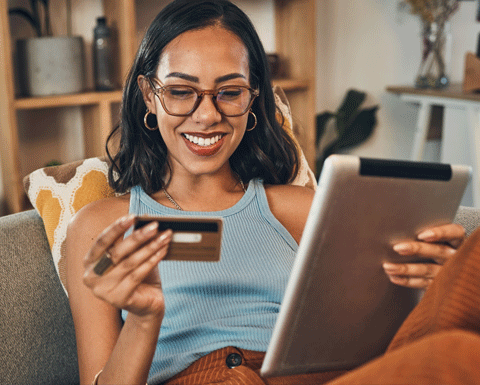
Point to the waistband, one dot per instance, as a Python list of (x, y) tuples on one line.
[(233, 366)]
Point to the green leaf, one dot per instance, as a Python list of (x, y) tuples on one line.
[(322, 120), (359, 130), (353, 125), (53, 163), (348, 109)]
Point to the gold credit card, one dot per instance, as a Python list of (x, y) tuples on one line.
[(194, 238)]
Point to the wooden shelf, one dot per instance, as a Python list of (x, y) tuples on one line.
[(97, 108), (81, 99), (295, 43)]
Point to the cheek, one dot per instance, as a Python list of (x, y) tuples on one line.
[(239, 124), (168, 123)]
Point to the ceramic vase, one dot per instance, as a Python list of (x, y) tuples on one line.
[(50, 65)]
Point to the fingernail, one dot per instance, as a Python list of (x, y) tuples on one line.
[(389, 266), (165, 235), (396, 279), (126, 219), (403, 248), (150, 227), (426, 235)]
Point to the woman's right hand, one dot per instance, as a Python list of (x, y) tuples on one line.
[(133, 281)]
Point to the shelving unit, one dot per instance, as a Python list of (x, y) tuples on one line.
[(295, 42)]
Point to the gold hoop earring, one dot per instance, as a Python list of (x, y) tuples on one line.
[(145, 121), (254, 117)]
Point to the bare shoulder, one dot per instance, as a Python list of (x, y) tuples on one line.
[(290, 205), (93, 218)]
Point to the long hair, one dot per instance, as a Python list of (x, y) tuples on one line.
[(267, 152)]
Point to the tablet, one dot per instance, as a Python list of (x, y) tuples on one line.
[(339, 309)]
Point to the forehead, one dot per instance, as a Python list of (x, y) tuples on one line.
[(211, 51)]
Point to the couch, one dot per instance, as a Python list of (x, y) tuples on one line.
[(36, 328)]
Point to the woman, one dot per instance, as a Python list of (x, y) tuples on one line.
[(198, 137)]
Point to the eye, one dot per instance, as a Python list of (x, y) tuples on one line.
[(231, 93), (180, 93)]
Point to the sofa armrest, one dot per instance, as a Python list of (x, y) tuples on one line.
[(468, 217), (36, 328)]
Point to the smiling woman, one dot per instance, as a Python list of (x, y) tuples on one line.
[(215, 149), (238, 50), (213, 143)]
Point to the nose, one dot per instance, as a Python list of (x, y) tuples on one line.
[(207, 112)]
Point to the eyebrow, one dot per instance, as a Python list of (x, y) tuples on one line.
[(195, 79)]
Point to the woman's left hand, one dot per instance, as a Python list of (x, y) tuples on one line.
[(436, 243)]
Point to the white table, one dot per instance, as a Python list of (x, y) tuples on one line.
[(461, 113)]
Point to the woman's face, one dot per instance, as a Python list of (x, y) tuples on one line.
[(206, 59)]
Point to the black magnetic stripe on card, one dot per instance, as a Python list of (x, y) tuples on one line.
[(207, 227)]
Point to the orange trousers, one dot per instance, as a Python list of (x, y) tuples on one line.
[(438, 343)]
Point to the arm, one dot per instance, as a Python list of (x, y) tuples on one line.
[(124, 353)]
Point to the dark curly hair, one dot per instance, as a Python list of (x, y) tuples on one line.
[(267, 152)]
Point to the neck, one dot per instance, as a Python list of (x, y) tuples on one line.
[(202, 193)]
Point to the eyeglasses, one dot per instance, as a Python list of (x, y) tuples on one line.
[(180, 100)]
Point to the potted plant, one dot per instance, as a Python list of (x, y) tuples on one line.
[(47, 64), (345, 128)]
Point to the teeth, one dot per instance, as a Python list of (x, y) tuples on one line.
[(204, 142)]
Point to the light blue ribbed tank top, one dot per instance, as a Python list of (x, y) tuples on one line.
[(233, 302)]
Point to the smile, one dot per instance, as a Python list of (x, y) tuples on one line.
[(203, 142)]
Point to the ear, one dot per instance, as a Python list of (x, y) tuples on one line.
[(148, 94)]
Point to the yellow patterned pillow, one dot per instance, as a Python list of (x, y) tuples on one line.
[(58, 192)]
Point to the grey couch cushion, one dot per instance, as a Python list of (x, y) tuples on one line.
[(36, 328), (469, 218)]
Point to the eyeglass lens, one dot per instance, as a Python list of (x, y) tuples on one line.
[(229, 100)]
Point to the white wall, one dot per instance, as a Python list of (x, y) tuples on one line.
[(371, 44)]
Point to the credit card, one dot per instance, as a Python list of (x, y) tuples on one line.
[(194, 238)]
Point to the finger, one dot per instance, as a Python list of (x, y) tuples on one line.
[(412, 275), (120, 282), (131, 267), (133, 242), (145, 265), (452, 233), (121, 249), (412, 270), (125, 263), (437, 251), (411, 282), (108, 237)]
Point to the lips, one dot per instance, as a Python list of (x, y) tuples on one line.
[(204, 145)]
